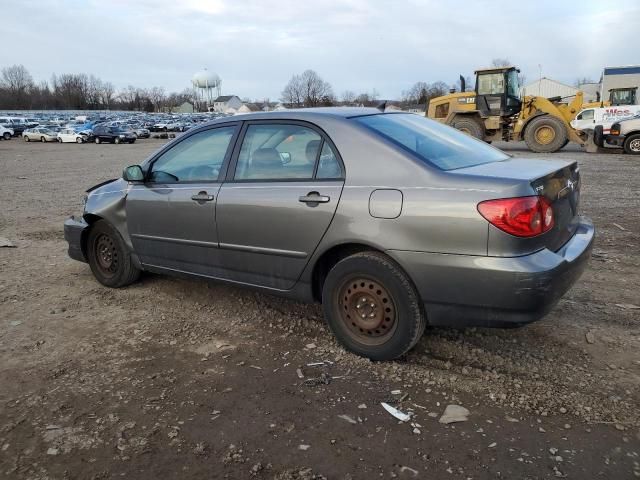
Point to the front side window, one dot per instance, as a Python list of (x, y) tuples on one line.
[(278, 152), (491, 84), (586, 115), (432, 142), (197, 158)]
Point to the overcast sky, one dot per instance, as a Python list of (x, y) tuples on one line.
[(256, 45)]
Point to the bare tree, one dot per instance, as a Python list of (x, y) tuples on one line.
[(582, 81), (107, 92), (501, 62), (348, 97), (17, 81), (292, 94), (158, 97), (314, 89), (307, 89)]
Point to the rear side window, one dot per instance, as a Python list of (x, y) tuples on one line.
[(278, 151), (434, 143)]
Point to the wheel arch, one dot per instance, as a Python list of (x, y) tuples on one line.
[(329, 258)]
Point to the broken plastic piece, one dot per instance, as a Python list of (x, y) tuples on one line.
[(403, 417)]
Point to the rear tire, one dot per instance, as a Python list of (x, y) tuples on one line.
[(545, 134), (469, 126), (372, 306), (109, 258), (26, 138), (6, 136), (42, 139), (116, 140), (632, 144)]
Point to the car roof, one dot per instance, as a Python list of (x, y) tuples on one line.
[(303, 114)]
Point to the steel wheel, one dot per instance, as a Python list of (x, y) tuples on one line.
[(634, 145), (545, 134), (367, 311), (106, 254)]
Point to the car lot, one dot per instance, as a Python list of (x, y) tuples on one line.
[(176, 377)]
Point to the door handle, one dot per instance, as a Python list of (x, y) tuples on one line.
[(314, 197), (202, 197)]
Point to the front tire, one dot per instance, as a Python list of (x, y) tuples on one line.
[(116, 140), (632, 144), (97, 140), (26, 138), (109, 258), (43, 140), (372, 306), (6, 136), (545, 134), (79, 140)]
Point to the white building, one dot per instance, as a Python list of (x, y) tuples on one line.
[(547, 88), (227, 104)]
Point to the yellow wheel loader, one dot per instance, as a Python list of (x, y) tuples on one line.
[(495, 111)]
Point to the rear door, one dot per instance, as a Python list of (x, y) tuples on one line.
[(280, 196), (172, 216)]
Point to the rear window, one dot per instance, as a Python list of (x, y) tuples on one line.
[(432, 142)]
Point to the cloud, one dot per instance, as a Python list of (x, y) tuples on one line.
[(255, 46)]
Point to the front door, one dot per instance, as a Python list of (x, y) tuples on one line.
[(172, 216), (277, 203)]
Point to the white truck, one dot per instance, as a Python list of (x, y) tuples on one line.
[(589, 118)]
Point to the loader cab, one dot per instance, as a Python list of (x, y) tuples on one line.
[(498, 91), (623, 96)]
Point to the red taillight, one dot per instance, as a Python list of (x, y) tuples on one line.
[(520, 216)]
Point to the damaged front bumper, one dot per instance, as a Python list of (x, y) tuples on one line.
[(74, 230)]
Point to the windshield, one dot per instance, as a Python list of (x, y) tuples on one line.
[(433, 142)]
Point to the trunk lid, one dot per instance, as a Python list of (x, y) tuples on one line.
[(556, 180)]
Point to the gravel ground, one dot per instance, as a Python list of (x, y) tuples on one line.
[(174, 378)]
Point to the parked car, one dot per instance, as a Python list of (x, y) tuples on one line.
[(105, 133), (6, 133), (391, 220), (17, 124), (40, 134), (140, 132), (69, 135), (625, 134)]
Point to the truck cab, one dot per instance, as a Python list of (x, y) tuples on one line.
[(498, 91)]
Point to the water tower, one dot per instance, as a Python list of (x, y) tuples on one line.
[(207, 86)]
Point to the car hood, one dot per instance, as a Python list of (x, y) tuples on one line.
[(98, 187)]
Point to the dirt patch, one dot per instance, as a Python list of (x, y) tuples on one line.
[(174, 378)]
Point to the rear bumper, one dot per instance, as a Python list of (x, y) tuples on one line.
[(74, 229), (465, 290), (617, 140)]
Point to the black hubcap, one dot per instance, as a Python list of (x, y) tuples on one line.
[(106, 254)]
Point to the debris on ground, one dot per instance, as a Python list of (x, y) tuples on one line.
[(324, 378), (349, 419), (628, 306), (453, 414), (590, 337), (5, 242), (403, 417)]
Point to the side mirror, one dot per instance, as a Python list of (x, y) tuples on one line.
[(285, 157), (133, 173)]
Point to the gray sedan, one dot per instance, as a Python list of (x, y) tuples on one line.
[(390, 220)]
